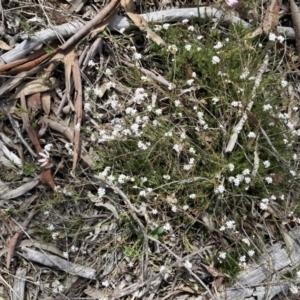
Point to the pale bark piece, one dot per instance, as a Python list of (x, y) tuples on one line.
[(262, 279), (166, 16), (54, 261), (19, 285), (296, 23), (21, 190), (10, 155)]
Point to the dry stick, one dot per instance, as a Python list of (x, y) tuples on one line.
[(78, 112), (18, 62), (133, 288), (13, 242), (16, 129), (237, 129), (104, 13), (154, 76), (188, 269)]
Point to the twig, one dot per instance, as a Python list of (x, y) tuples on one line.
[(16, 129), (237, 129)]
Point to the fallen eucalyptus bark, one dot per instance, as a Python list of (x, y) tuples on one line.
[(265, 279), (54, 261), (166, 16)]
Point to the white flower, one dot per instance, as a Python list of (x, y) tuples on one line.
[(101, 192), (91, 63), (185, 207), (192, 150), (267, 164), (222, 228), (185, 21), (242, 258), (73, 249), (172, 48), (246, 241), (293, 289), (194, 75), (190, 82), (187, 264), (235, 103), (87, 107), (105, 283), (137, 56), (267, 107), (231, 167), (166, 26), (171, 86), (158, 112), (293, 173), (167, 227), (45, 157), (215, 60), (48, 147), (247, 180), (191, 28), (50, 227), (230, 224), (246, 172), (166, 177), (251, 253), (188, 47), (251, 134), (122, 178), (108, 72), (177, 148), (215, 100), (192, 196), (269, 179), (174, 208), (77, 127), (218, 45), (245, 74), (177, 103), (162, 268), (222, 255), (199, 37), (220, 189), (280, 39), (272, 37), (284, 83), (154, 211)]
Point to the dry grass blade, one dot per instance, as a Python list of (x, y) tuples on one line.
[(296, 23)]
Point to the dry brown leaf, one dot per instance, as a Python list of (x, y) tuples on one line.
[(128, 5), (46, 102), (36, 86), (34, 101), (69, 59), (4, 46), (255, 33), (272, 16), (142, 24)]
